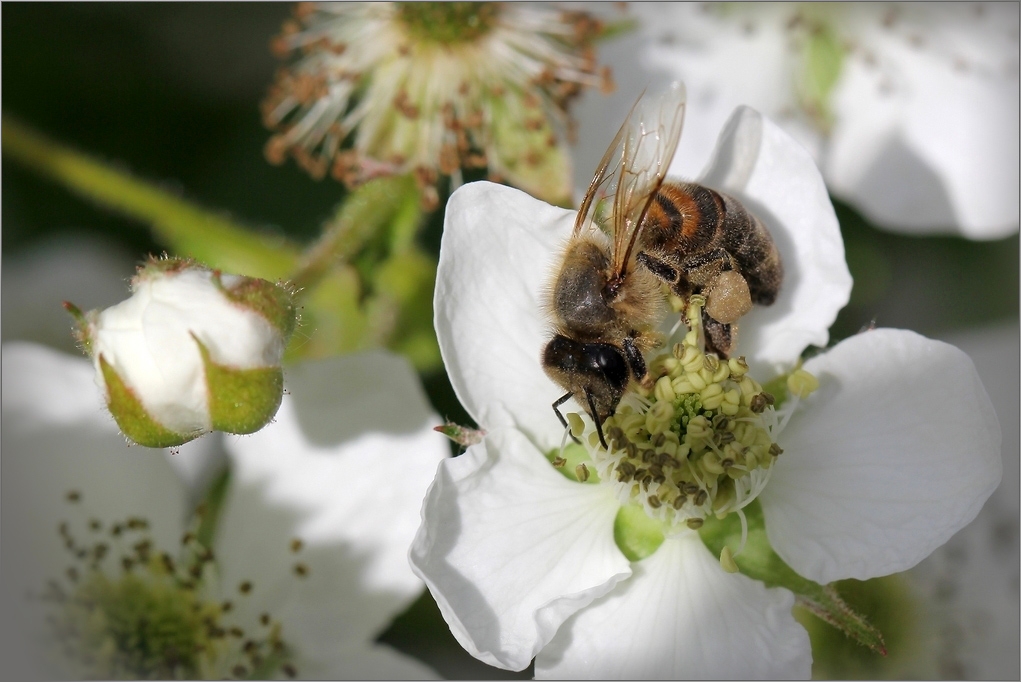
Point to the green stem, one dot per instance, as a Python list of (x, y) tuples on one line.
[(367, 211), (191, 230)]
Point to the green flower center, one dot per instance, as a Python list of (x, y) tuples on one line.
[(155, 617), (448, 23), (701, 442)]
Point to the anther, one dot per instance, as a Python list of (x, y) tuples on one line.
[(264, 619), (245, 587), (775, 450), (301, 570), (296, 545), (73, 496), (694, 523), (712, 362), (654, 501), (559, 462), (701, 497)]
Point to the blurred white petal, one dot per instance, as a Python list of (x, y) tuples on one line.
[(344, 468)]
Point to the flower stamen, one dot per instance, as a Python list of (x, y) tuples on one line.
[(155, 617), (701, 441)]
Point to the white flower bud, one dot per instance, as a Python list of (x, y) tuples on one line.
[(192, 351)]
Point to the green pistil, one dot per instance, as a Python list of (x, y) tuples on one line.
[(574, 463), (698, 445), (448, 23)]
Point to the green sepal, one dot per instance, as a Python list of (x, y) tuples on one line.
[(636, 533), (896, 608), (241, 400), (82, 331), (272, 301), (131, 416), (758, 560)]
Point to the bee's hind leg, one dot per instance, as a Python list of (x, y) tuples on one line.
[(720, 338)]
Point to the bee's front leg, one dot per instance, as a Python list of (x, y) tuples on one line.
[(636, 362)]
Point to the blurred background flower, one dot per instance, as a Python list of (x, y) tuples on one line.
[(294, 564), (432, 88), (167, 97), (911, 109)]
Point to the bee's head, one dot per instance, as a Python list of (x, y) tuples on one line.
[(596, 373)]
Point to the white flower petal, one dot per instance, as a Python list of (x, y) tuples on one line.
[(500, 248), (344, 468), (897, 450), (510, 548), (680, 616), (760, 164)]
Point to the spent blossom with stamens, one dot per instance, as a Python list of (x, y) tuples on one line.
[(192, 351), (432, 88), (595, 561), (291, 567), (910, 109)]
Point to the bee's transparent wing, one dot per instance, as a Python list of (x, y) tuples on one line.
[(606, 178), (641, 155)]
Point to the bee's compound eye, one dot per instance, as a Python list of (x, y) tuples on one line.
[(562, 353), (610, 361)]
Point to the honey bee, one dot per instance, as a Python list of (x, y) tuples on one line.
[(607, 297)]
